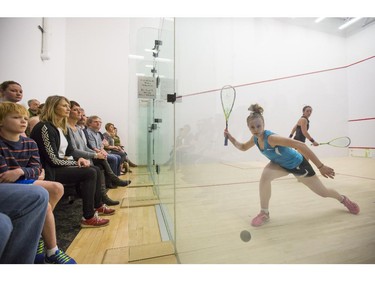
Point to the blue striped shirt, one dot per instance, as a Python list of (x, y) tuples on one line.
[(22, 154)]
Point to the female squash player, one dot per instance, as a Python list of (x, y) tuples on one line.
[(285, 159), (302, 127)]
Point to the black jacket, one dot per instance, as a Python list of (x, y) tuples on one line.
[(47, 137)]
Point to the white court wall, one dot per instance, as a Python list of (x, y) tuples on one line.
[(20, 56), (361, 92), (97, 70), (89, 63), (242, 51)]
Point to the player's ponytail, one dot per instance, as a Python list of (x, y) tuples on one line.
[(256, 111)]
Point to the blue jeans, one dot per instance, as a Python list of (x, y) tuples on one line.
[(114, 161), (6, 229), (24, 206)]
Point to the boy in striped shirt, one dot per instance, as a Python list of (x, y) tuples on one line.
[(20, 163)]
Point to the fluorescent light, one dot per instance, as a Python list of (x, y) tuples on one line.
[(140, 74), (149, 66), (349, 22), (319, 19)]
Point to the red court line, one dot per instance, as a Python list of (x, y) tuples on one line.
[(229, 183), (257, 181), (362, 119), (280, 78), (246, 168), (353, 176), (362, 147)]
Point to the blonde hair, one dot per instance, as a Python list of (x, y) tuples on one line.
[(256, 111), (49, 113), (7, 107)]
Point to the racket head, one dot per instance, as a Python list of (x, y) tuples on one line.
[(228, 97), (339, 142)]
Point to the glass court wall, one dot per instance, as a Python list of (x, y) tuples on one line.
[(151, 65), (208, 191)]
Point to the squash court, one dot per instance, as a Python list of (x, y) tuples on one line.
[(211, 212)]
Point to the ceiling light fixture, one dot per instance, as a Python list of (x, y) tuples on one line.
[(348, 23), (319, 19)]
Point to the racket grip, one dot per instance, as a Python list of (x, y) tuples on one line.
[(226, 141), (226, 137)]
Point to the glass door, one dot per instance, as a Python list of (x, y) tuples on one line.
[(153, 69)]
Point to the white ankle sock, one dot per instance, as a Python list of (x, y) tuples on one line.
[(51, 252), (265, 211)]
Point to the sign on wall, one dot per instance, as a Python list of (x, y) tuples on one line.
[(146, 87)]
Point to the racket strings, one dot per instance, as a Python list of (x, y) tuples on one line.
[(340, 142), (228, 96)]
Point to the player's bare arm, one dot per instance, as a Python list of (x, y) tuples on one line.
[(239, 145), (304, 150)]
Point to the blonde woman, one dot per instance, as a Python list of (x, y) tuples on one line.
[(51, 135)]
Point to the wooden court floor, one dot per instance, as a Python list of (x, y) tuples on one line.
[(304, 228), (129, 227), (215, 202)]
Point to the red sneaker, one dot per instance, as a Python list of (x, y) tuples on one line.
[(105, 211), (352, 207), (260, 219), (95, 221)]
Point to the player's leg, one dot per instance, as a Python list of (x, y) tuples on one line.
[(271, 172), (316, 185)]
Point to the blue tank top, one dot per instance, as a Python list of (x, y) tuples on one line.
[(284, 156)]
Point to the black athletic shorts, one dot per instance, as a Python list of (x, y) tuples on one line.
[(303, 170)]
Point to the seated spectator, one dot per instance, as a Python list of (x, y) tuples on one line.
[(33, 120), (51, 135), (11, 91), (115, 143), (82, 122), (22, 214), (95, 142), (80, 149), (109, 145), (19, 163), (33, 107)]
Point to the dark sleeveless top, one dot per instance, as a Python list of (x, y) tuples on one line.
[(299, 135)]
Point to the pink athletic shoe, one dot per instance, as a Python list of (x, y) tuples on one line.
[(352, 207), (260, 219)]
